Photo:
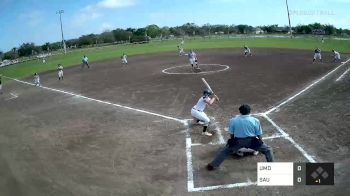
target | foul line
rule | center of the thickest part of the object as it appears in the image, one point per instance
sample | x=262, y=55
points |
x=306, y=155
x=306, y=88
x=341, y=77
x=99, y=101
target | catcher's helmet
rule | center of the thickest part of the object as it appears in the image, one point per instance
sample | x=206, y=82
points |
x=207, y=92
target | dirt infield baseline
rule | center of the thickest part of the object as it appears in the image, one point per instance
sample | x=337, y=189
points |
x=145, y=92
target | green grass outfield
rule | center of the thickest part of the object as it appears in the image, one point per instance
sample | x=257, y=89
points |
x=74, y=57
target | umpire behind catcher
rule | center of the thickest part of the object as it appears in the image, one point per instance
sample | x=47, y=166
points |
x=245, y=131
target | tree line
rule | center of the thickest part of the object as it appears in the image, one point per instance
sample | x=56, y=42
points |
x=144, y=34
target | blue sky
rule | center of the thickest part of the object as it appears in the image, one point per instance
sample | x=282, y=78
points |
x=36, y=20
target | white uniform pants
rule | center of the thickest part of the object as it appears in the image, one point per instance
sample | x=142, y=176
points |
x=60, y=73
x=200, y=115
x=124, y=61
x=317, y=56
x=192, y=61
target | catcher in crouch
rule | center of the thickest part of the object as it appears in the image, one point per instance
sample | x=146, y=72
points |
x=197, y=111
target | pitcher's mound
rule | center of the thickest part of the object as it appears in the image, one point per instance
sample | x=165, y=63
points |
x=203, y=69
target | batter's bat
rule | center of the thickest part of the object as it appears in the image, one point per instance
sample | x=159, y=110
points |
x=209, y=88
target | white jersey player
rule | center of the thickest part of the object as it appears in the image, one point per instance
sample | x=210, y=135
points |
x=192, y=57
x=197, y=111
x=85, y=61
x=317, y=55
x=247, y=51
x=336, y=55
x=36, y=80
x=180, y=51
x=124, y=58
x=60, y=71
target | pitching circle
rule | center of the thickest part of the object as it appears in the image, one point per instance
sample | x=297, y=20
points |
x=187, y=70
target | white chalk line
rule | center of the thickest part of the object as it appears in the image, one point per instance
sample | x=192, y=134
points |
x=342, y=76
x=13, y=96
x=190, y=181
x=100, y=101
x=225, y=186
x=286, y=136
x=306, y=88
x=165, y=71
x=190, y=174
x=218, y=128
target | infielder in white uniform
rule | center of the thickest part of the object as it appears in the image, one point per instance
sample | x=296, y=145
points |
x=36, y=80
x=180, y=51
x=192, y=57
x=317, y=55
x=247, y=51
x=60, y=71
x=197, y=111
x=336, y=56
x=124, y=58
x=85, y=61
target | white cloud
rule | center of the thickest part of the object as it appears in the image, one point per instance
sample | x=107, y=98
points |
x=84, y=18
x=91, y=12
x=115, y=3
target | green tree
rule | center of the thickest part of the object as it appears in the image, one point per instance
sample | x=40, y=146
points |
x=87, y=40
x=165, y=31
x=330, y=30
x=27, y=49
x=153, y=31
x=122, y=35
x=12, y=54
x=107, y=37
x=140, y=32
x=243, y=29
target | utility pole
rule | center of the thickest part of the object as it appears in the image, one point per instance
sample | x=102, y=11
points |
x=290, y=27
x=60, y=12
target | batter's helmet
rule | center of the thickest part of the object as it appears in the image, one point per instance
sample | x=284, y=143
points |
x=207, y=92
